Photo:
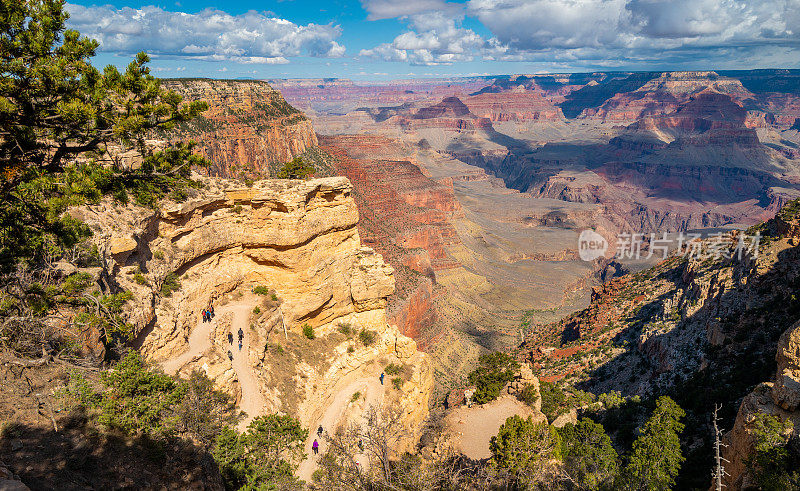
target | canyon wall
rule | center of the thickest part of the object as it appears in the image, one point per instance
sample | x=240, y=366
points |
x=297, y=240
x=248, y=128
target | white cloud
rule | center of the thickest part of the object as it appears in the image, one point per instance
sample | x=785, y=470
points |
x=391, y=9
x=434, y=38
x=251, y=37
x=595, y=33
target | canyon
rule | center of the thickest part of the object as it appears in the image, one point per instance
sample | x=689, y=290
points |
x=517, y=167
x=475, y=189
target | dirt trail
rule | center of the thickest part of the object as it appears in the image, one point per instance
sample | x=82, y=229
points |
x=252, y=401
x=474, y=427
x=371, y=390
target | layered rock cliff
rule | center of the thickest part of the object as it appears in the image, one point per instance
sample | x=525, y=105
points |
x=248, y=127
x=779, y=399
x=296, y=245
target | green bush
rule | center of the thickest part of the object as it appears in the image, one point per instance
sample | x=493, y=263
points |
x=494, y=371
x=356, y=396
x=265, y=457
x=296, y=169
x=776, y=460
x=256, y=310
x=393, y=369
x=522, y=447
x=397, y=383
x=367, y=337
x=656, y=457
x=528, y=395
x=171, y=284
x=138, y=400
x=139, y=278
x=308, y=331
x=345, y=329
x=261, y=290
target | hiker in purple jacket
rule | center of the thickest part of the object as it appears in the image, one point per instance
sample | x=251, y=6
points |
x=315, y=447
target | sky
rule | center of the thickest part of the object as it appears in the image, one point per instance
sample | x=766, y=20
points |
x=391, y=39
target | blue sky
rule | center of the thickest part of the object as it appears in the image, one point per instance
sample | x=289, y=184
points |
x=380, y=39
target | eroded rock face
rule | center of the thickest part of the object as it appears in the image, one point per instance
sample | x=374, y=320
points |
x=248, y=126
x=297, y=238
x=780, y=399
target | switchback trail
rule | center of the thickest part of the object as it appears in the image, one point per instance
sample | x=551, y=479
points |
x=252, y=401
x=371, y=390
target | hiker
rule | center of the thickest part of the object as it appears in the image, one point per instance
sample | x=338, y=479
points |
x=240, y=345
x=382, y=375
x=230, y=338
x=205, y=315
x=230, y=355
x=210, y=312
x=241, y=334
x=315, y=447
x=361, y=445
x=319, y=431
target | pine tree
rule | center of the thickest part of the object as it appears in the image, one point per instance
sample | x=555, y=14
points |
x=656, y=454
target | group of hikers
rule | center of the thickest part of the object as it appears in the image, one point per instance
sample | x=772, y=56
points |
x=230, y=341
x=208, y=313
x=315, y=445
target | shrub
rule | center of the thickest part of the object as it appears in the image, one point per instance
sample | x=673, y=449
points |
x=393, y=369
x=528, y=395
x=523, y=447
x=171, y=284
x=308, y=331
x=397, y=383
x=345, y=329
x=256, y=310
x=494, y=371
x=261, y=290
x=356, y=396
x=296, y=169
x=158, y=254
x=138, y=400
x=139, y=278
x=265, y=457
x=274, y=297
x=776, y=458
x=351, y=349
x=367, y=337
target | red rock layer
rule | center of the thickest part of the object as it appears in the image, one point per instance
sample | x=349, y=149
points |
x=247, y=127
x=405, y=216
x=663, y=95
x=516, y=105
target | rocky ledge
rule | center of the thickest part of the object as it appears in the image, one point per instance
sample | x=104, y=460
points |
x=298, y=242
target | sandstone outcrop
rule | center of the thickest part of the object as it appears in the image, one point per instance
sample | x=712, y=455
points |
x=248, y=128
x=779, y=398
x=296, y=239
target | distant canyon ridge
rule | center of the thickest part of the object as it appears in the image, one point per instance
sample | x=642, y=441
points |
x=475, y=189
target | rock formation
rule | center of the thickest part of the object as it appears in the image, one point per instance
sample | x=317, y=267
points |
x=779, y=398
x=247, y=128
x=296, y=239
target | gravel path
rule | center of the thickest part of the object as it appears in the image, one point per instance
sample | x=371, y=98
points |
x=252, y=401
